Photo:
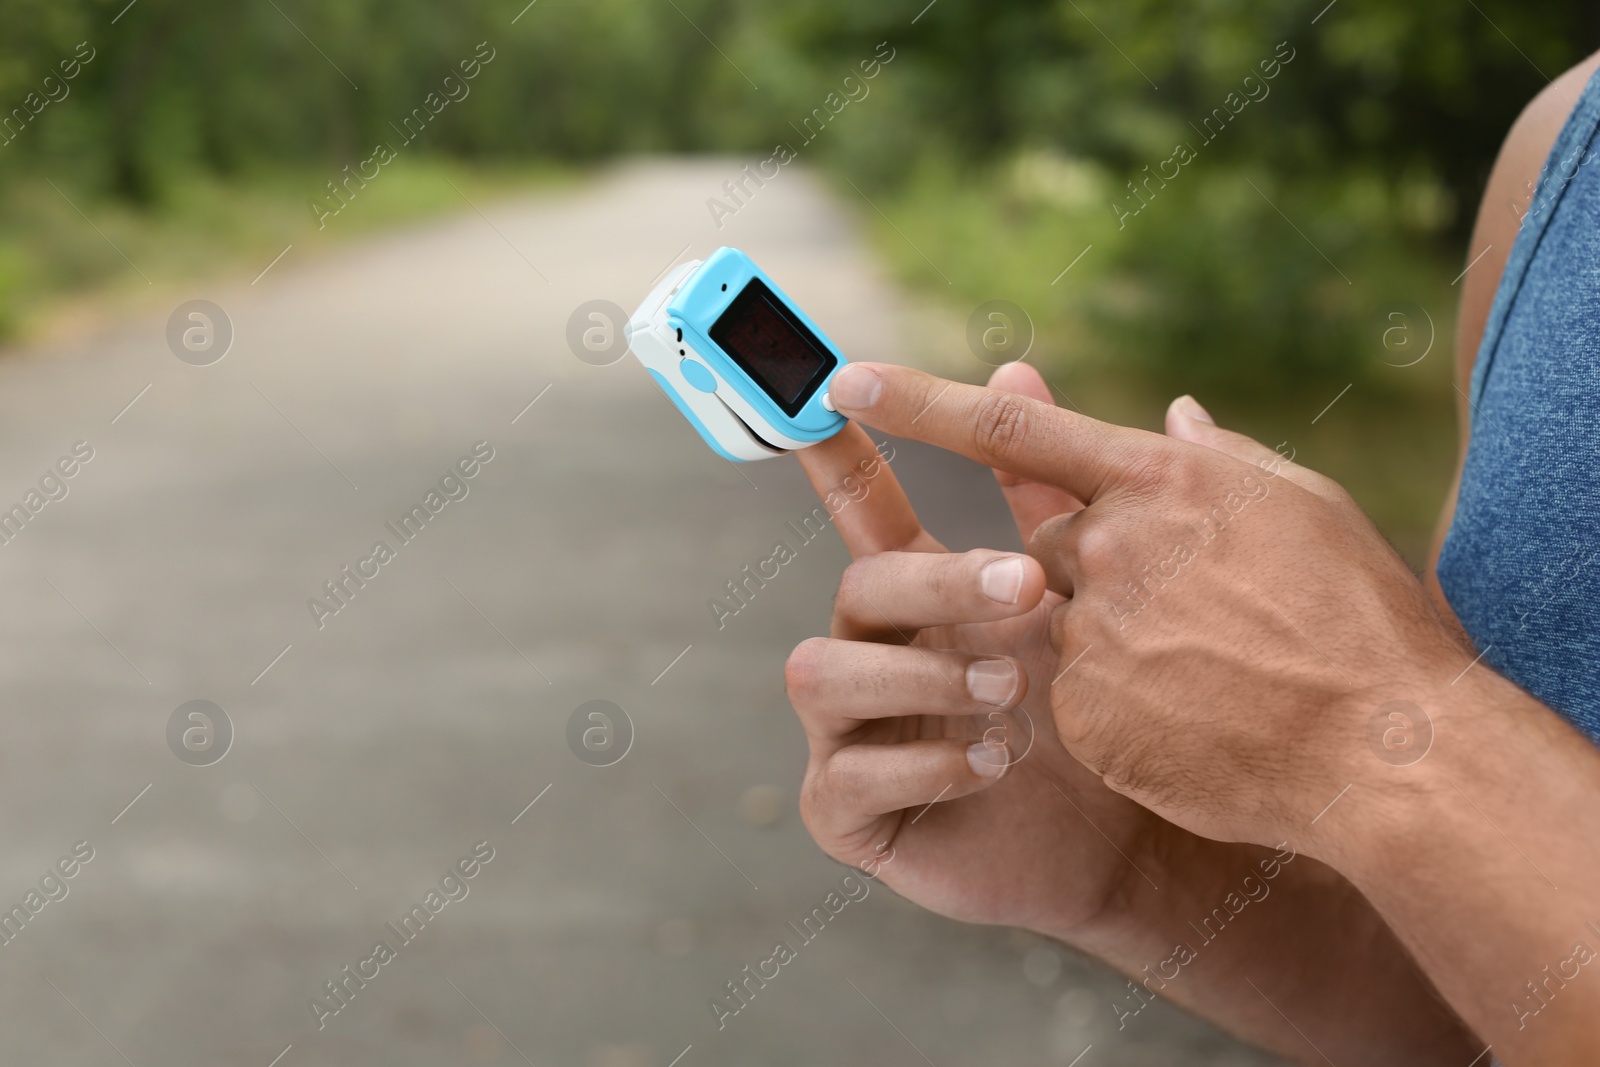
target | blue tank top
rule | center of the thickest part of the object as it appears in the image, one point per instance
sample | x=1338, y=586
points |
x=1521, y=562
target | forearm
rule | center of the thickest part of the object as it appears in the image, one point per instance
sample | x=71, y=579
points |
x=1276, y=948
x=1485, y=857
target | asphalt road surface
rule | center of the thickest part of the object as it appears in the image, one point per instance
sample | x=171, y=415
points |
x=375, y=748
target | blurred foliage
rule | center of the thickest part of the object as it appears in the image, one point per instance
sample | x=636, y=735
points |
x=1007, y=131
x=1000, y=137
x=1002, y=140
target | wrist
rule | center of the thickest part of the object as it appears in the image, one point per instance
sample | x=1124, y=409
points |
x=1488, y=831
x=1212, y=915
x=1415, y=760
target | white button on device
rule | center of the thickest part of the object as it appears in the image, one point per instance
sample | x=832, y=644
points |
x=827, y=402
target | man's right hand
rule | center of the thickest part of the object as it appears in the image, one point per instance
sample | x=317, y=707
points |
x=933, y=654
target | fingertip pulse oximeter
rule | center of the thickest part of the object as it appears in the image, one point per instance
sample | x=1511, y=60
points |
x=741, y=361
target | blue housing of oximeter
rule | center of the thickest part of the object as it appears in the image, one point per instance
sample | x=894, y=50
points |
x=747, y=367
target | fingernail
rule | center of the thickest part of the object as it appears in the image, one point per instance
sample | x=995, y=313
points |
x=855, y=388
x=1002, y=579
x=1189, y=406
x=993, y=681
x=986, y=760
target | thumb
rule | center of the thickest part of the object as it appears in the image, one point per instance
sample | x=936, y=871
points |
x=1188, y=421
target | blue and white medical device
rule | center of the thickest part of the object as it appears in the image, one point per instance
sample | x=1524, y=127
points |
x=746, y=366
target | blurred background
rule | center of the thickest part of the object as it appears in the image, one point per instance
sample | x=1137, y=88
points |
x=1294, y=266
x=996, y=150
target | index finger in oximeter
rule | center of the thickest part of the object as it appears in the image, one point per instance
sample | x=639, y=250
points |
x=743, y=364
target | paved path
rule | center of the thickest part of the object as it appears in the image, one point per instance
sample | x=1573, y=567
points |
x=423, y=718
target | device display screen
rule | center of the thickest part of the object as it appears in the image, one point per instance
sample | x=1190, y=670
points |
x=773, y=346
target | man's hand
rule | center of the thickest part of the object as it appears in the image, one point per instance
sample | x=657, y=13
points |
x=1240, y=632
x=935, y=766
x=1234, y=618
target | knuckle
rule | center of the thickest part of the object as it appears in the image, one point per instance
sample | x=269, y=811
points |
x=1099, y=548
x=855, y=576
x=858, y=571
x=1001, y=426
x=803, y=670
x=1166, y=470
